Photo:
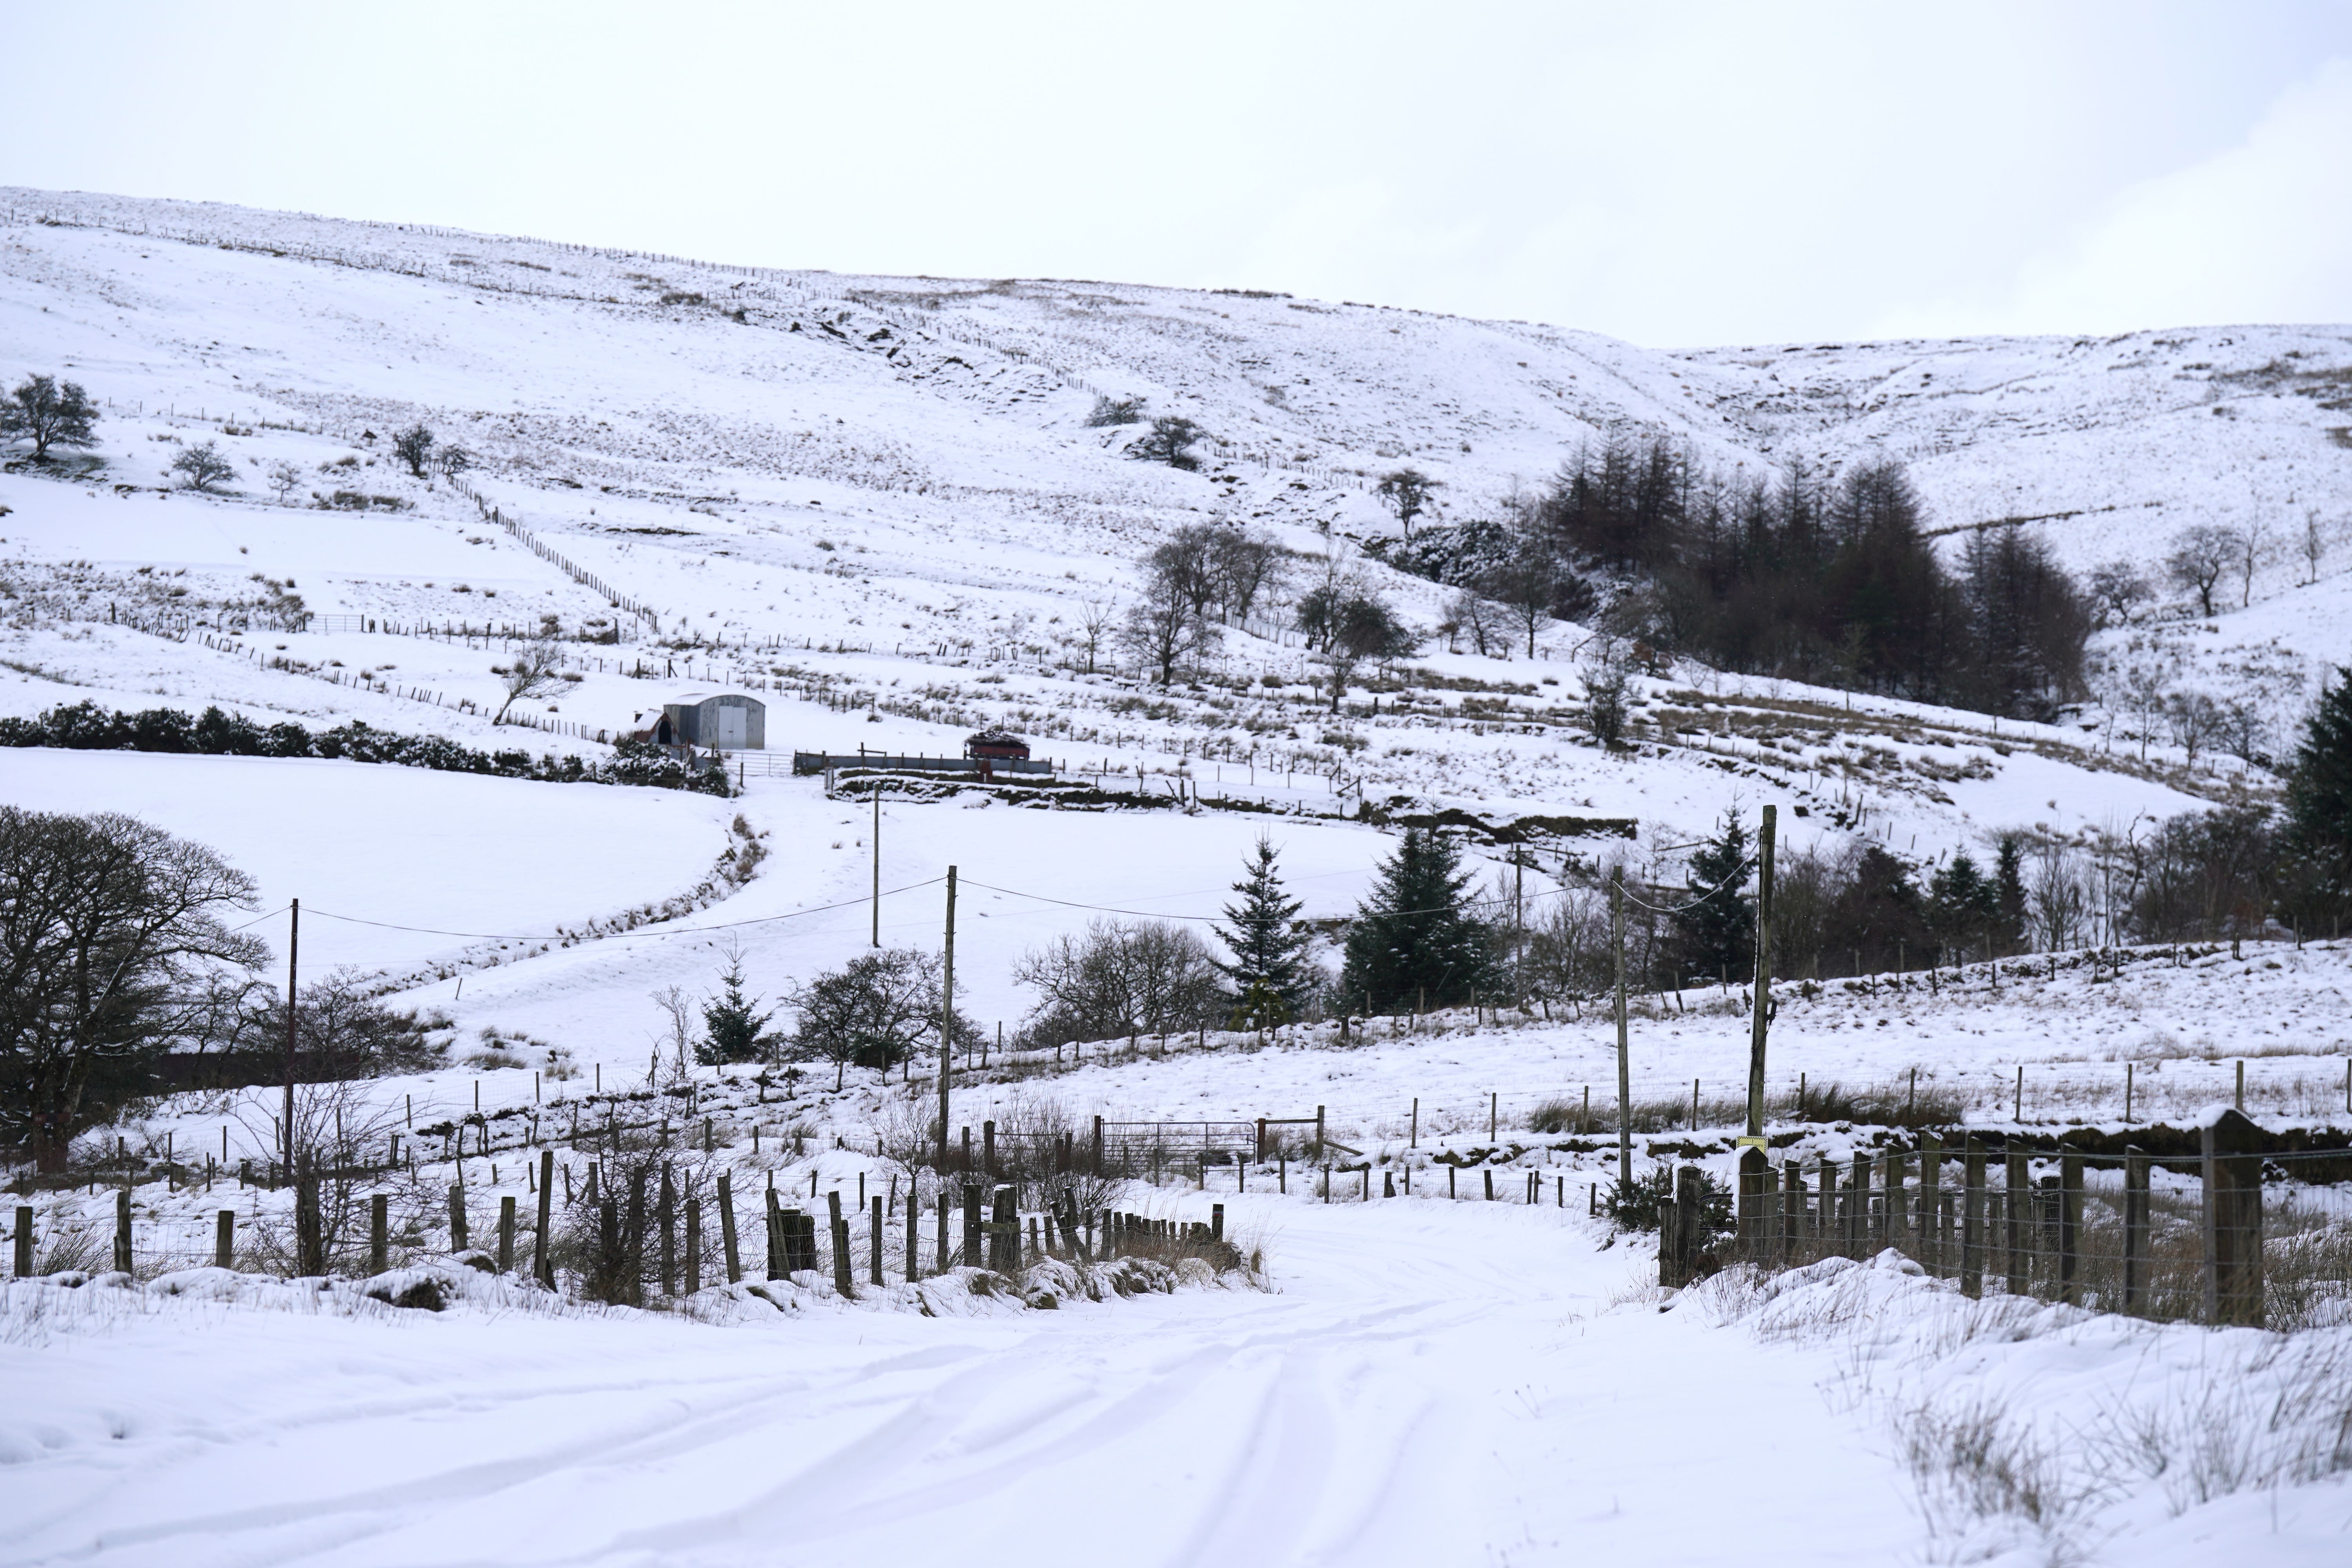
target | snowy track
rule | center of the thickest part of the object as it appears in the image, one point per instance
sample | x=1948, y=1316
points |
x=1426, y=1387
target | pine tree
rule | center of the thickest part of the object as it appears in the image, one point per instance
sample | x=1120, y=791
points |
x=2320, y=809
x=734, y=1030
x=1715, y=928
x=1963, y=907
x=1268, y=973
x=2008, y=893
x=1411, y=937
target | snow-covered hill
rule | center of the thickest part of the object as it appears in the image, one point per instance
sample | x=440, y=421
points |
x=878, y=501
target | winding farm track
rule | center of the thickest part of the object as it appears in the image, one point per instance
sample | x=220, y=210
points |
x=1428, y=1385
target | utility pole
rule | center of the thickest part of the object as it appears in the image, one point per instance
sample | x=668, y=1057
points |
x=1763, y=1007
x=1518, y=927
x=293, y=947
x=946, y=1023
x=877, y=862
x=1625, y=1068
x=1755, y=1164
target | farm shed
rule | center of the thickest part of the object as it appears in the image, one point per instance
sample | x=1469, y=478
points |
x=718, y=721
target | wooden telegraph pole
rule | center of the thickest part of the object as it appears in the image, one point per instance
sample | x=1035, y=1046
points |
x=1758, y=1023
x=877, y=862
x=1625, y=1068
x=293, y=947
x=946, y=1023
x=1755, y=1161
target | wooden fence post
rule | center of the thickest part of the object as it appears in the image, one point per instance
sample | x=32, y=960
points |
x=1670, y=1239
x=1004, y=1231
x=2134, y=1228
x=457, y=1216
x=693, y=1276
x=379, y=1234
x=1972, y=1218
x=914, y=1234
x=2070, y=1225
x=1098, y=1142
x=1792, y=1209
x=2013, y=1214
x=1755, y=1179
x=224, y=1238
x=839, y=1228
x=971, y=1258
x=1857, y=1205
x=507, y=1233
x=1931, y=1192
x=122, y=1230
x=24, y=1241
x=1899, y=1207
x=542, y=1256
x=666, y=1220
x=2233, y=1221
x=780, y=1244
x=1690, y=1209
x=727, y=1247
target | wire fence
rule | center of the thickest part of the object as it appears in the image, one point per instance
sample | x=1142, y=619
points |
x=2176, y=1238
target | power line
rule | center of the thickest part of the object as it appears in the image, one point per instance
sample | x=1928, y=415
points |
x=619, y=935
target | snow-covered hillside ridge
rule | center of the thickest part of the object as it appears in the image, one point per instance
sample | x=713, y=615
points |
x=2114, y=442
x=879, y=503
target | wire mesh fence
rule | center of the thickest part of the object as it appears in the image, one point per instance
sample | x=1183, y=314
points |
x=2203, y=1237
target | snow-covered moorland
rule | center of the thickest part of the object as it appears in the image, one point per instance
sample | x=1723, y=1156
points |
x=878, y=503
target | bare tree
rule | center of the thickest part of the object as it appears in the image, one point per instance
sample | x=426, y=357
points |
x=1166, y=627
x=877, y=1011
x=2250, y=541
x=284, y=478
x=2117, y=590
x=413, y=446
x=1115, y=411
x=1120, y=977
x=675, y=1033
x=1482, y=618
x=202, y=468
x=2244, y=734
x=1406, y=492
x=2313, y=543
x=1095, y=620
x=2061, y=900
x=112, y=926
x=49, y=415
x=1170, y=440
x=2199, y=556
x=2194, y=720
x=1526, y=584
x=452, y=461
x=535, y=672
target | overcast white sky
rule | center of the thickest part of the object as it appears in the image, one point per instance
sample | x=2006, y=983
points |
x=1676, y=174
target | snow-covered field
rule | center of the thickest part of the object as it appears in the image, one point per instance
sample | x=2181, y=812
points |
x=875, y=501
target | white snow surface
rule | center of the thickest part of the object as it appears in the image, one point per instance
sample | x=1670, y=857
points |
x=882, y=492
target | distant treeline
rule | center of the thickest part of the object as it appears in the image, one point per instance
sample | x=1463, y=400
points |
x=1827, y=582
x=86, y=726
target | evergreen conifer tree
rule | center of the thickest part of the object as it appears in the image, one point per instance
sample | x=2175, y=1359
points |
x=2319, y=812
x=1268, y=973
x=2008, y=893
x=734, y=1030
x=1963, y=905
x=1715, y=928
x=1411, y=937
